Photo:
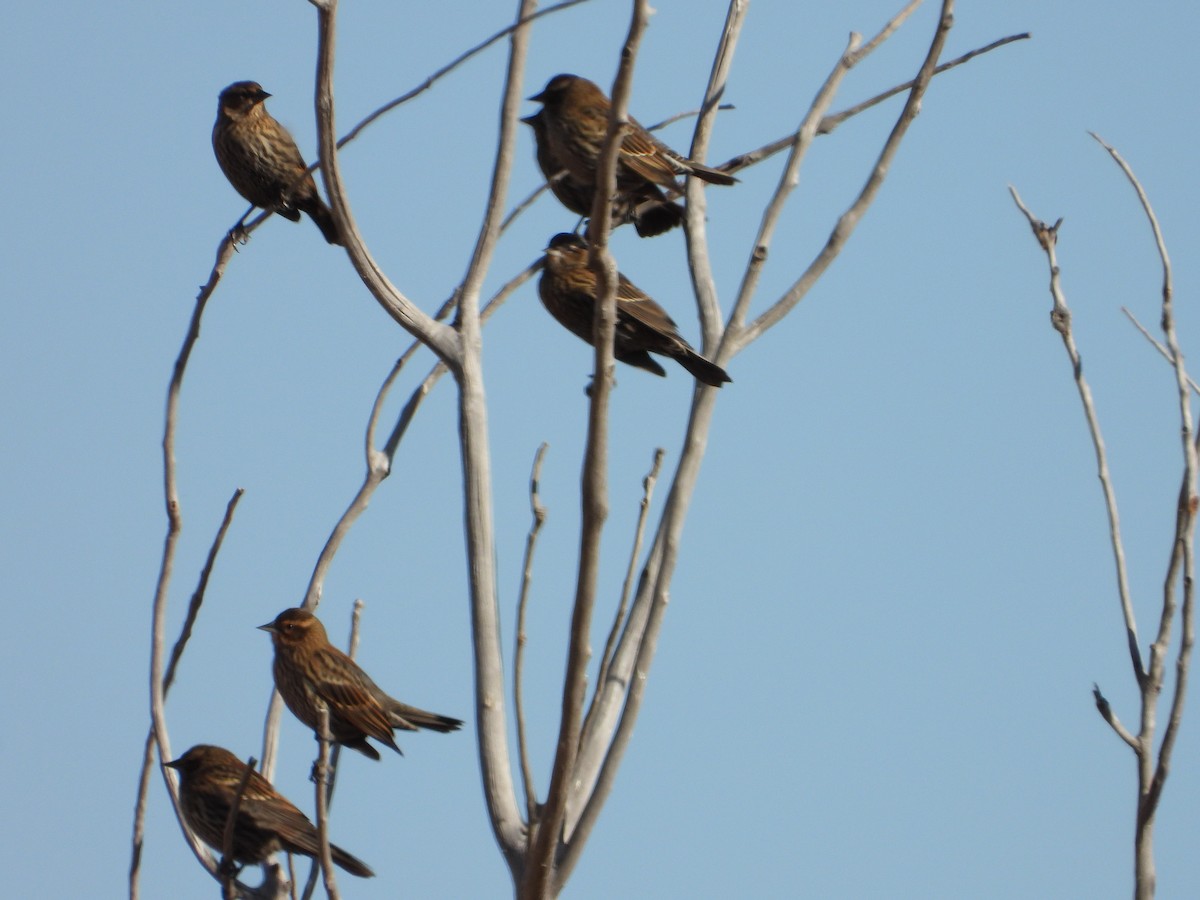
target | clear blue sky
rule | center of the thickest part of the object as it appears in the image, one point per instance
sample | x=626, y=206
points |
x=895, y=591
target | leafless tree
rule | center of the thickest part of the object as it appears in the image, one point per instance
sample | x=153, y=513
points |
x=1151, y=751
x=542, y=838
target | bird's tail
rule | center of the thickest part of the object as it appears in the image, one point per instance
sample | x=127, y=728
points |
x=350, y=862
x=707, y=372
x=323, y=216
x=410, y=718
x=712, y=176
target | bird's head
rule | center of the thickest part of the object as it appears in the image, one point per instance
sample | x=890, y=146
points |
x=240, y=98
x=294, y=628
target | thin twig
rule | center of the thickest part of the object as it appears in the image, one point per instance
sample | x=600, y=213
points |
x=324, y=738
x=1060, y=318
x=185, y=634
x=1182, y=559
x=1106, y=712
x=1166, y=354
x=450, y=66
x=635, y=554
x=225, y=251
x=539, y=875
x=539, y=518
x=499, y=789
x=228, y=867
x=336, y=753
x=853, y=215
x=832, y=121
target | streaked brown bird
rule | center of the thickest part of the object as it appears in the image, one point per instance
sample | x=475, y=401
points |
x=262, y=161
x=568, y=290
x=308, y=668
x=575, y=113
x=644, y=204
x=266, y=822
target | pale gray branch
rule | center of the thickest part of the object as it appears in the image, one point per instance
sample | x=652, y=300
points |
x=323, y=786
x=614, y=633
x=1166, y=354
x=849, y=220
x=1060, y=318
x=1182, y=558
x=539, y=875
x=440, y=338
x=539, y=519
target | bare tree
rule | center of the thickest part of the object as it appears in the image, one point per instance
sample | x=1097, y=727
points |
x=543, y=838
x=1152, y=752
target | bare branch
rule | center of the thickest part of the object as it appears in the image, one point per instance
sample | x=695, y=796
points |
x=185, y=634
x=440, y=338
x=539, y=873
x=695, y=225
x=1166, y=354
x=323, y=786
x=1060, y=318
x=228, y=867
x=453, y=64
x=850, y=219
x=491, y=725
x=832, y=121
x=539, y=519
x=788, y=180
x=635, y=554
x=225, y=252
x=335, y=754
x=1182, y=559
x=1105, y=710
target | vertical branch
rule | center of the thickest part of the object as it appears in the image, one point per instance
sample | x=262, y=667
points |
x=336, y=753
x=323, y=785
x=185, y=634
x=696, y=229
x=1060, y=318
x=539, y=880
x=1182, y=561
x=158, y=686
x=635, y=554
x=491, y=725
x=539, y=519
x=228, y=867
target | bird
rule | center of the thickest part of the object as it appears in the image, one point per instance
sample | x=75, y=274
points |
x=266, y=821
x=309, y=669
x=262, y=161
x=568, y=289
x=645, y=205
x=575, y=119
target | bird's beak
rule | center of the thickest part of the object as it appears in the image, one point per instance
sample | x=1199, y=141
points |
x=529, y=120
x=263, y=95
x=175, y=764
x=270, y=626
x=539, y=97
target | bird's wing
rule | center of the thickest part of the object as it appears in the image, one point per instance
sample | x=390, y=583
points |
x=635, y=303
x=647, y=157
x=351, y=694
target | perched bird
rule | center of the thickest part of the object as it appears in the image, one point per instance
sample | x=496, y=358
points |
x=261, y=160
x=308, y=668
x=575, y=119
x=643, y=204
x=568, y=290
x=266, y=822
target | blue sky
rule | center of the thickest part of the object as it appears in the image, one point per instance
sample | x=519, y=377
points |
x=895, y=591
